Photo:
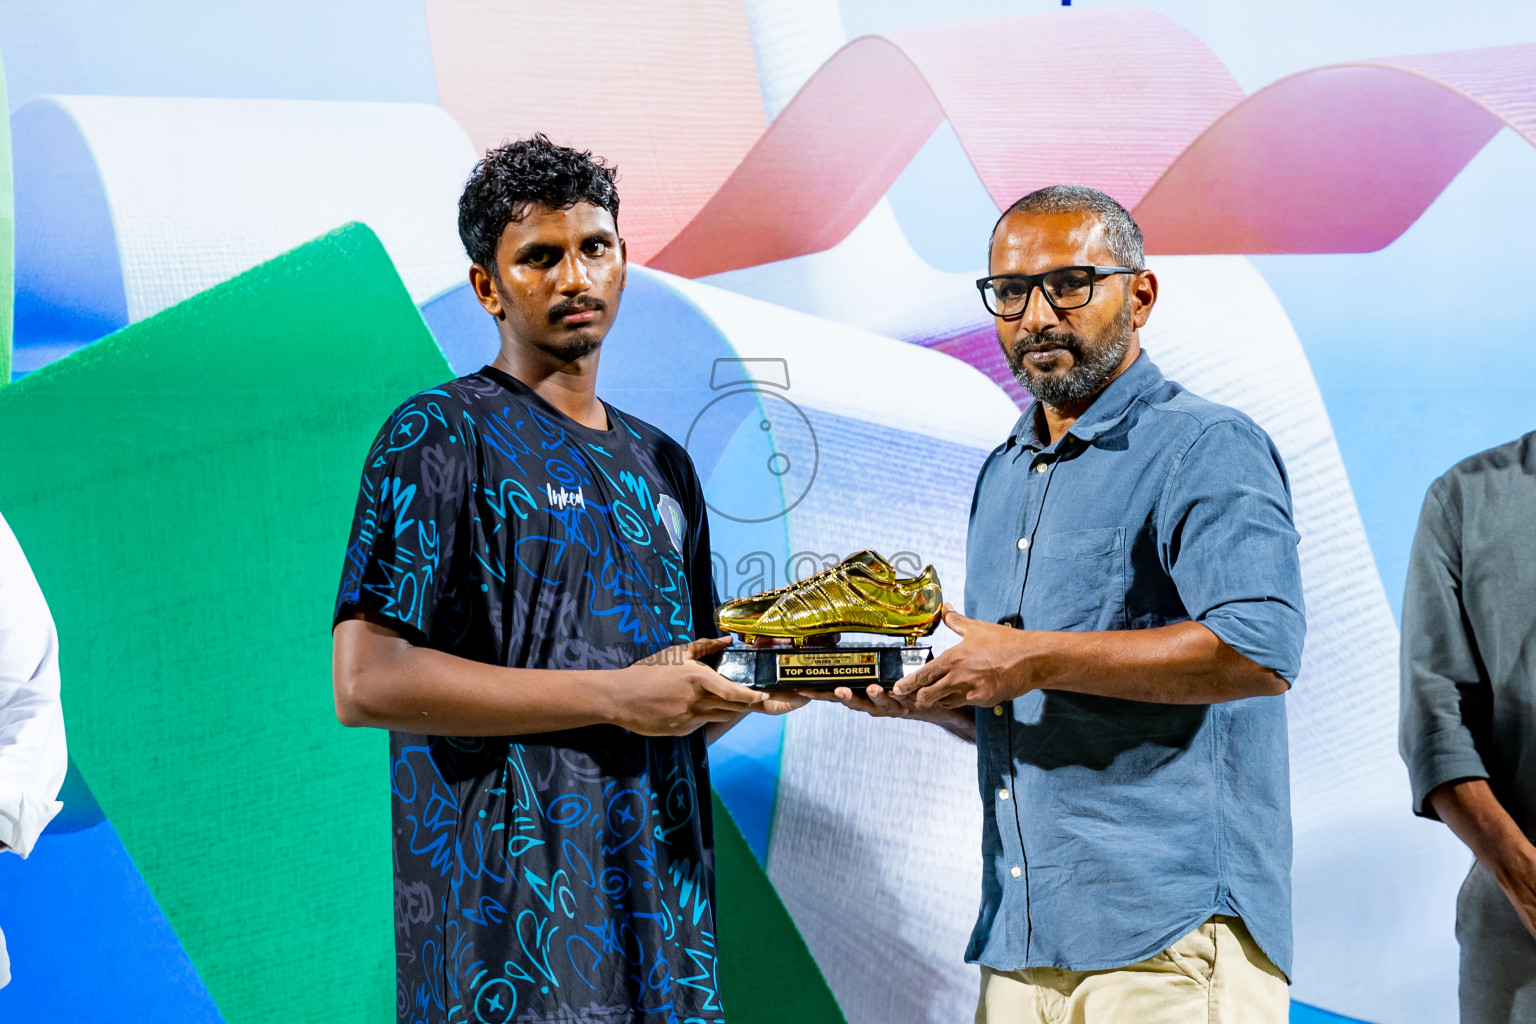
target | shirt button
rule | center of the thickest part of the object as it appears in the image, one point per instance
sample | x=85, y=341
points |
x=1041, y=467
x=1002, y=794
x=998, y=711
x=1023, y=543
x=1014, y=871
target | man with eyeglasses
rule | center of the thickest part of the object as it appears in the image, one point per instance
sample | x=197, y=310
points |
x=1133, y=618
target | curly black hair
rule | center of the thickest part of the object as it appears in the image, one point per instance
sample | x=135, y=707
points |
x=515, y=174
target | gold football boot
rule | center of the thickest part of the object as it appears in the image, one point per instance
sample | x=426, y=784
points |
x=856, y=598
x=740, y=616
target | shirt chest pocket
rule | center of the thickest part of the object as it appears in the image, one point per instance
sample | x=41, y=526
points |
x=1076, y=580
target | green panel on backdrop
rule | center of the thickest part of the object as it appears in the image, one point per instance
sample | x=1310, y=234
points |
x=7, y=237
x=767, y=975
x=183, y=490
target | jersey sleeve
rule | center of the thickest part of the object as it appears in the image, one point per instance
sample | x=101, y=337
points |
x=410, y=508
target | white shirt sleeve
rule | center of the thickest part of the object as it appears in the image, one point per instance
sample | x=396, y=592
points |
x=33, y=758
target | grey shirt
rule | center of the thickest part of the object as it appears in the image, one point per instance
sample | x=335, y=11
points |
x=1469, y=632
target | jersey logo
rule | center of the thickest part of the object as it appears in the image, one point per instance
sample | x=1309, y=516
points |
x=673, y=519
x=564, y=498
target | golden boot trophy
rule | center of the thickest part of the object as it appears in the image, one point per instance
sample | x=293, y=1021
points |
x=790, y=636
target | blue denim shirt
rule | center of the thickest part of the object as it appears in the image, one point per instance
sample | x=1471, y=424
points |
x=1113, y=827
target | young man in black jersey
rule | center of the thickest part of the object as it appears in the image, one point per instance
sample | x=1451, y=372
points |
x=525, y=601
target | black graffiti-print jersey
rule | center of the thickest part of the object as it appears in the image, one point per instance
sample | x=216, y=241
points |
x=564, y=876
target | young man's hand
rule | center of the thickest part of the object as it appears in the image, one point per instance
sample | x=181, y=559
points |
x=672, y=693
x=780, y=702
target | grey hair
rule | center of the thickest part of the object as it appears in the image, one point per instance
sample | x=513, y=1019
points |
x=1121, y=231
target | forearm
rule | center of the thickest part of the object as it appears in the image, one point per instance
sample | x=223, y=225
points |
x=1184, y=663
x=1479, y=820
x=385, y=682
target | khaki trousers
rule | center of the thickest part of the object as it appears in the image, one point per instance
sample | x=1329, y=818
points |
x=1214, y=975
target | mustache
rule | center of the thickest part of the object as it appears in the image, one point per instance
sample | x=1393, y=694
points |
x=578, y=304
x=1048, y=339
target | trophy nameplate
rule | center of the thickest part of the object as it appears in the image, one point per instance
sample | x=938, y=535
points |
x=826, y=668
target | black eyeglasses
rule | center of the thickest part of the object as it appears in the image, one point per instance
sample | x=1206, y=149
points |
x=1006, y=295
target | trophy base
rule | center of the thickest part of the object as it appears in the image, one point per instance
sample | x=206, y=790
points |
x=821, y=667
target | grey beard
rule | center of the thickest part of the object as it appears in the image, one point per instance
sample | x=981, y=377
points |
x=1089, y=372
